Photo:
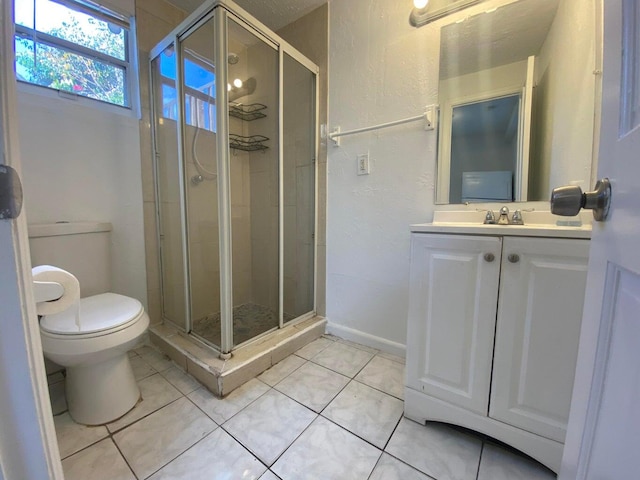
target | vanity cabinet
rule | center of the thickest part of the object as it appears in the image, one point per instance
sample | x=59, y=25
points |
x=493, y=331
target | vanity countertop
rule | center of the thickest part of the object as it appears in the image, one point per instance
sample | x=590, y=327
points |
x=537, y=224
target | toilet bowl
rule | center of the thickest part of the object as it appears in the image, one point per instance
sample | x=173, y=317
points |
x=100, y=385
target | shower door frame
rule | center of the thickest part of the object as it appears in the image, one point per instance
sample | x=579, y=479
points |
x=221, y=11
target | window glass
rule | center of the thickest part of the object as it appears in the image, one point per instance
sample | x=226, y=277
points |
x=200, y=86
x=72, y=50
x=78, y=27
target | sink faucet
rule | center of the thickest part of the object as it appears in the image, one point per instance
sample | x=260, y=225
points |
x=516, y=218
x=489, y=218
x=504, y=216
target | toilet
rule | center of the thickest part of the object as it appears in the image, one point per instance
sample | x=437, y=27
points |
x=100, y=385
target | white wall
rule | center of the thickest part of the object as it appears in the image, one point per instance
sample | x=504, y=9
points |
x=82, y=163
x=380, y=69
x=565, y=93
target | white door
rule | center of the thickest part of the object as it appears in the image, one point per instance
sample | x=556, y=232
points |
x=28, y=448
x=603, y=437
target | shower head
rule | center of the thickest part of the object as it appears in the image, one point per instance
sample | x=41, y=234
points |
x=232, y=58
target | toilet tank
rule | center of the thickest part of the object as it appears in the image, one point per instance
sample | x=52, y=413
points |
x=82, y=248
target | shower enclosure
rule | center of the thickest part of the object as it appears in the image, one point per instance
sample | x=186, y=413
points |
x=235, y=139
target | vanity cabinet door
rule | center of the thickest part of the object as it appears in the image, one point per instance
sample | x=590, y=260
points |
x=452, y=314
x=538, y=328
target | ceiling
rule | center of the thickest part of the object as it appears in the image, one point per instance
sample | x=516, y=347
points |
x=508, y=34
x=275, y=14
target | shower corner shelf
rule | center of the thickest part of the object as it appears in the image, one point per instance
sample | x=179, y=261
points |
x=248, y=144
x=247, y=113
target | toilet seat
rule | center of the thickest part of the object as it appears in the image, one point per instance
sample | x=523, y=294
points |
x=100, y=315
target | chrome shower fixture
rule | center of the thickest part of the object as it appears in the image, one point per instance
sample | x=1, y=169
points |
x=232, y=58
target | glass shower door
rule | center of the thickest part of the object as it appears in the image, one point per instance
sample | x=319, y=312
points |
x=201, y=179
x=254, y=180
x=299, y=180
x=169, y=178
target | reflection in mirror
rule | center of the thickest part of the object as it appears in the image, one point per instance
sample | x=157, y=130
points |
x=517, y=100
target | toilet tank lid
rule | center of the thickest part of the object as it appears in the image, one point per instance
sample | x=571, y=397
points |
x=67, y=228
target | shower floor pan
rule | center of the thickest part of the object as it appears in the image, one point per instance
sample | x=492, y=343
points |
x=248, y=361
x=249, y=321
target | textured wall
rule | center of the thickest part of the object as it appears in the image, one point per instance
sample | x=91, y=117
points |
x=565, y=100
x=82, y=163
x=380, y=69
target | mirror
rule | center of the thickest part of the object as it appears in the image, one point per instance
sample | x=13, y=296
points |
x=517, y=96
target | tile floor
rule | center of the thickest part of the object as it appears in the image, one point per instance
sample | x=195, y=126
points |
x=333, y=410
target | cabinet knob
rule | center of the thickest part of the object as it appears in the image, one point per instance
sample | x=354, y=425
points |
x=489, y=257
x=513, y=258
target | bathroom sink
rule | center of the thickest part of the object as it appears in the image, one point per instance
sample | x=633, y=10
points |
x=537, y=223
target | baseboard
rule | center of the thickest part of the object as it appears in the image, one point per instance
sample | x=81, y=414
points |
x=366, y=339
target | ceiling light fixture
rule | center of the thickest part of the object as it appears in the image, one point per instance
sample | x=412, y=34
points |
x=426, y=11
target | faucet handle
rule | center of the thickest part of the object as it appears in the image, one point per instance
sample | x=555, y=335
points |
x=489, y=218
x=516, y=218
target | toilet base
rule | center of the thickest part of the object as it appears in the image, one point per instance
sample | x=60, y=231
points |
x=102, y=392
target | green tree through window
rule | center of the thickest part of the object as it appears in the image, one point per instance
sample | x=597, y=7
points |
x=81, y=53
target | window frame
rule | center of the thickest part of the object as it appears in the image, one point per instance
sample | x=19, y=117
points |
x=194, y=95
x=100, y=13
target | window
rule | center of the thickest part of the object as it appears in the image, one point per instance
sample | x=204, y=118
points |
x=199, y=89
x=75, y=47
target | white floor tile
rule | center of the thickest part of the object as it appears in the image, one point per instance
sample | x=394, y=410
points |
x=73, y=437
x=215, y=457
x=313, y=386
x=328, y=452
x=58, y=397
x=159, y=361
x=369, y=413
x=359, y=346
x=222, y=409
x=282, y=369
x=389, y=468
x=141, y=369
x=500, y=464
x=157, y=439
x=156, y=393
x=384, y=375
x=437, y=450
x=181, y=380
x=269, y=475
x=343, y=359
x=101, y=461
x=390, y=356
x=312, y=349
x=269, y=425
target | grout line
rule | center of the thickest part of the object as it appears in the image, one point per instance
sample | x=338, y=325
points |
x=480, y=459
x=122, y=455
x=179, y=455
x=377, y=389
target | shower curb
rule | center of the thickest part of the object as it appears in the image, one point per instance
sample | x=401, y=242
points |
x=223, y=376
